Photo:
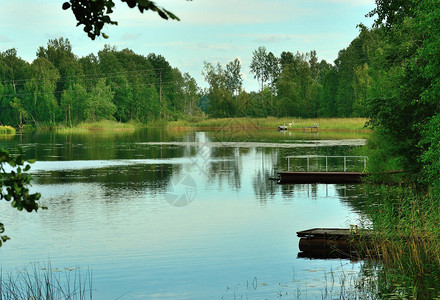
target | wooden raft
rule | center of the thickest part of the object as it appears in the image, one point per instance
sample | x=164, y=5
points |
x=332, y=242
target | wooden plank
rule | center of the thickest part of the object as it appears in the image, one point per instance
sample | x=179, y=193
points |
x=320, y=177
x=324, y=231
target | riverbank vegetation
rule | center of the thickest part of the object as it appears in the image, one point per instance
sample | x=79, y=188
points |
x=406, y=238
x=352, y=124
x=7, y=130
x=402, y=105
x=103, y=125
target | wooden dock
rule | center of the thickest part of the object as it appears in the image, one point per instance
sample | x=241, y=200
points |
x=333, y=243
x=313, y=128
x=314, y=173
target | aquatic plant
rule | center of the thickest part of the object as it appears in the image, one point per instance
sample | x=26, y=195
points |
x=38, y=282
x=406, y=239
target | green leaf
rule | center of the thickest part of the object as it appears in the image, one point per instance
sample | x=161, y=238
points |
x=66, y=5
x=172, y=16
x=162, y=14
x=144, y=3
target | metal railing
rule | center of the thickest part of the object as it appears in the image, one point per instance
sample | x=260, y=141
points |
x=316, y=157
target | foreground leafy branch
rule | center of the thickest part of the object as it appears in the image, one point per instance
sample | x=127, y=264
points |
x=14, y=185
x=95, y=14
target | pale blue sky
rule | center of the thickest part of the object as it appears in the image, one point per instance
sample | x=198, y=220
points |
x=208, y=31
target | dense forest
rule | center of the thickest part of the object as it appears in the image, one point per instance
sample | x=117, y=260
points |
x=58, y=87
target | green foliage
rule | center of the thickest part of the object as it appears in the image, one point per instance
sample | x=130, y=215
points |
x=431, y=157
x=405, y=88
x=95, y=14
x=7, y=130
x=406, y=238
x=234, y=80
x=99, y=105
x=14, y=185
x=57, y=88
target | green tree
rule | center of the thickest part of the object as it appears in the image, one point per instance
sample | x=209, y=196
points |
x=99, y=105
x=296, y=88
x=361, y=87
x=221, y=103
x=326, y=98
x=163, y=81
x=40, y=101
x=59, y=53
x=14, y=72
x=234, y=81
x=73, y=103
x=259, y=67
x=191, y=94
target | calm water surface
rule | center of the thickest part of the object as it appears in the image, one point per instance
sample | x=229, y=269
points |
x=157, y=214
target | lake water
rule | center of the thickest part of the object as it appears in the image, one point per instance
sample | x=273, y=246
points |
x=159, y=214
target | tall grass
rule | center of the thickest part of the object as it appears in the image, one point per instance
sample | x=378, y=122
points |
x=7, y=130
x=407, y=239
x=272, y=122
x=104, y=125
x=38, y=282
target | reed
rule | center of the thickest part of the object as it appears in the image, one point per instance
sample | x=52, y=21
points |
x=41, y=282
x=407, y=239
x=272, y=123
x=7, y=130
x=104, y=125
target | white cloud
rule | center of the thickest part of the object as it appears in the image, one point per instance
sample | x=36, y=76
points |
x=350, y=2
x=4, y=38
x=130, y=36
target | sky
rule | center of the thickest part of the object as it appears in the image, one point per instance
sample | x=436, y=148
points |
x=209, y=31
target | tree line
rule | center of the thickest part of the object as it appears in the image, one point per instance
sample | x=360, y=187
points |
x=58, y=87
x=299, y=84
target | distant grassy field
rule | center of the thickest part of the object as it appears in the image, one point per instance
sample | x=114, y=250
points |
x=104, y=125
x=7, y=130
x=271, y=122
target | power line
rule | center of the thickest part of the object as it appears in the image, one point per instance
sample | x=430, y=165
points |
x=166, y=83
x=94, y=76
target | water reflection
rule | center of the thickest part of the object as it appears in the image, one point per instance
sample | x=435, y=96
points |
x=107, y=196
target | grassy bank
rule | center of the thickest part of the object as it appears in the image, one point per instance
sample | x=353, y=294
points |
x=7, y=130
x=407, y=240
x=352, y=124
x=104, y=125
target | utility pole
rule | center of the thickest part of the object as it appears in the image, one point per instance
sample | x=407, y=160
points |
x=160, y=93
x=70, y=118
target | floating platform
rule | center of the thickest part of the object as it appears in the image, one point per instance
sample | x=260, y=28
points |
x=323, y=243
x=320, y=177
x=313, y=173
